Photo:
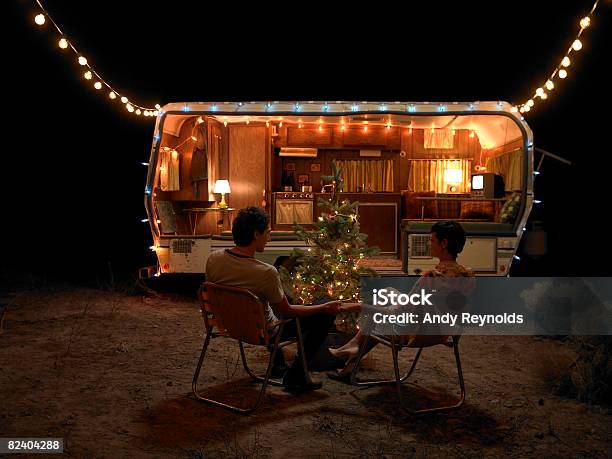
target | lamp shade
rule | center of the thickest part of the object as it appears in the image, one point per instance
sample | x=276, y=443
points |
x=222, y=186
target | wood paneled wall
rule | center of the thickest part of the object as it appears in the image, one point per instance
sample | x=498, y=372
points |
x=247, y=165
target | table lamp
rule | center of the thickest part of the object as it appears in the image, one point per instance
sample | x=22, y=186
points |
x=222, y=186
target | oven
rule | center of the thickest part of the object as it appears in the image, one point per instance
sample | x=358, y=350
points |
x=293, y=207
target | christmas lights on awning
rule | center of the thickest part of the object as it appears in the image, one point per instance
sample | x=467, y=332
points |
x=560, y=71
x=90, y=74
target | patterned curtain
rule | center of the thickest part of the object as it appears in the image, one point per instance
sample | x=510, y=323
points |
x=169, y=170
x=374, y=174
x=432, y=175
x=510, y=166
x=439, y=138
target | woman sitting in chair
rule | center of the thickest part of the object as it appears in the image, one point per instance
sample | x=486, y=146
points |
x=447, y=241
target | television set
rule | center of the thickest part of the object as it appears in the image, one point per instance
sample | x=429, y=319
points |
x=487, y=185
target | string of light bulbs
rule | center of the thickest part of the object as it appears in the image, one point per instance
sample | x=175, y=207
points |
x=560, y=71
x=90, y=73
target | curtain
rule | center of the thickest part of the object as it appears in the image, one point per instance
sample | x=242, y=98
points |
x=376, y=175
x=439, y=138
x=428, y=175
x=169, y=170
x=510, y=166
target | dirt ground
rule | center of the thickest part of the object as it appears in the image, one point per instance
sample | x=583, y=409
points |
x=111, y=374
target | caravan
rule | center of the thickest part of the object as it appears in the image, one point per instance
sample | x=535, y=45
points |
x=407, y=164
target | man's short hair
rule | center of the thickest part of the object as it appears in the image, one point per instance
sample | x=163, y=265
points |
x=453, y=232
x=249, y=220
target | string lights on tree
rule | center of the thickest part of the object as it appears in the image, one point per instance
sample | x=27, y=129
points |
x=332, y=266
x=560, y=71
x=98, y=82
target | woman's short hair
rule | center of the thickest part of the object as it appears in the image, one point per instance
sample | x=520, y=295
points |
x=249, y=220
x=453, y=232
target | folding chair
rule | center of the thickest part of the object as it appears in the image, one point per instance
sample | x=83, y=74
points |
x=239, y=314
x=397, y=343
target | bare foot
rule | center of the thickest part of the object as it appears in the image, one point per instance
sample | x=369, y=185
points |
x=345, y=353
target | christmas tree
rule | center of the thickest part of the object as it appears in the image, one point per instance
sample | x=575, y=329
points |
x=331, y=267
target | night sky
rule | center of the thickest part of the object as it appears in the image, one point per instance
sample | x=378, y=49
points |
x=73, y=184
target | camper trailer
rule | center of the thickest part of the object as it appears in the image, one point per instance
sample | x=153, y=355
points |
x=407, y=164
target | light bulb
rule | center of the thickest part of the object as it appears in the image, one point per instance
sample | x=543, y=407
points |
x=87, y=75
x=566, y=62
x=82, y=60
x=194, y=138
x=562, y=73
x=577, y=45
x=112, y=95
x=98, y=85
x=129, y=108
x=124, y=100
x=157, y=106
x=522, y=109
x=544, y=96
x=39, y=19
x=63, y=43
x=514, y=109
x=155, y=113
x=225, y=123
x=527, y=108
x=138, y=112
x=200, y=120
x=539, y=92
x=267, y=123
x=530, y=103
x=550, y=85
x=585, y=22
x=320, y=128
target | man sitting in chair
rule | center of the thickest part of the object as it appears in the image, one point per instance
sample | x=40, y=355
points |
x=237, y=267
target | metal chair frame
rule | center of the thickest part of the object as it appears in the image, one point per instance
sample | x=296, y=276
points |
x=276, y=345
x=395, y=343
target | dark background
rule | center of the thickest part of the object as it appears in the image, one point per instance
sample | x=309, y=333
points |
x=72, y=194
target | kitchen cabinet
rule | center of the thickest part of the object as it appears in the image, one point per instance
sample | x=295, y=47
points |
x=311, y=137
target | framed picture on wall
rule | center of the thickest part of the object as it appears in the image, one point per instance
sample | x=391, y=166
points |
x=315, y=167
x=290, y=166
x=303, y=178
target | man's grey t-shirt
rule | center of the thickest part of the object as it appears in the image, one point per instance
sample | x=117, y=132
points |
x=227, y=268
